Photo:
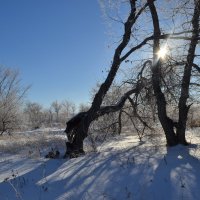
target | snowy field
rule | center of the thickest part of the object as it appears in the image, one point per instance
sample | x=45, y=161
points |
x=122, y=168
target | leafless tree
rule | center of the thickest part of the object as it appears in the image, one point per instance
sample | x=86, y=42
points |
x=48, y=117
x=154, y=82
x=168, y=124
x=12, y=95
x=77, y=128
x=34, y=111
x=67, y=111
x=56, y=106
x=69, y=108
x=108, y=124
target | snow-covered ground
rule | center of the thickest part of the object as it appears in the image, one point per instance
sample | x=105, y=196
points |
x=122, y=168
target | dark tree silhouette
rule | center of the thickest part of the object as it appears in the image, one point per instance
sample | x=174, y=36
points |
x=77, y=127
x=186, y=80
x=168, y=124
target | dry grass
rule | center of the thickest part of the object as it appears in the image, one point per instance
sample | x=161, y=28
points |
x=194, y=123
x=34, y=143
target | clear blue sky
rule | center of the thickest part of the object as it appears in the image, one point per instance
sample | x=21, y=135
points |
x=59, y=46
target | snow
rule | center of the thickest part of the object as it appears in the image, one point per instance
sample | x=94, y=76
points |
x=122, y=168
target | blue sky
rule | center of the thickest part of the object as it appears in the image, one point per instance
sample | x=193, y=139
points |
x=59, y=46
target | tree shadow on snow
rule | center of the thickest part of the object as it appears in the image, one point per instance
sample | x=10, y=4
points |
x=141, y=172
x=177, y=175
x=22, y=178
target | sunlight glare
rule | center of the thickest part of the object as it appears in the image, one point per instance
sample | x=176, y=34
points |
x=162, y=52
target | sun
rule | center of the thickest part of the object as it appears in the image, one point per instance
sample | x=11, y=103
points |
x=162, y=52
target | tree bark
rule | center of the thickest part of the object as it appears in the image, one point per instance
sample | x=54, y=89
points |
x=183, y=107
x=166, y=122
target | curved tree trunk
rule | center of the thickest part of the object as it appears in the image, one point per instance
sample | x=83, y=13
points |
x=78, y=126
x=81, y=130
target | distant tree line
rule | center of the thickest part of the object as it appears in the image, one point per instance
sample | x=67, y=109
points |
x=55, y=116
x=17, y=113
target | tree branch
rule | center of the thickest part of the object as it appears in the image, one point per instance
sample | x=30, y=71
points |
x=152, y=37
x=196, y=67
x=113, y=108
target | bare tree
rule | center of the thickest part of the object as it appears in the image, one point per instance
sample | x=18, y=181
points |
x=109, y=124
x=160, y=88
x=56, y=106
x=34, y=111
x=186, y=80
x=11, y=98
x=67, y=111
x=79, y=127
x=168, y=124
x=69, y=108
x=48, y=117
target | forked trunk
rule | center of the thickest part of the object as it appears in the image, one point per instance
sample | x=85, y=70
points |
x=167, y=123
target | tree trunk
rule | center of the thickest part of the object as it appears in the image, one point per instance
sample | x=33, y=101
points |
x=183, y=107
x=120, y=122
x=77, y=127
x=166, y=122
x=82, y=129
